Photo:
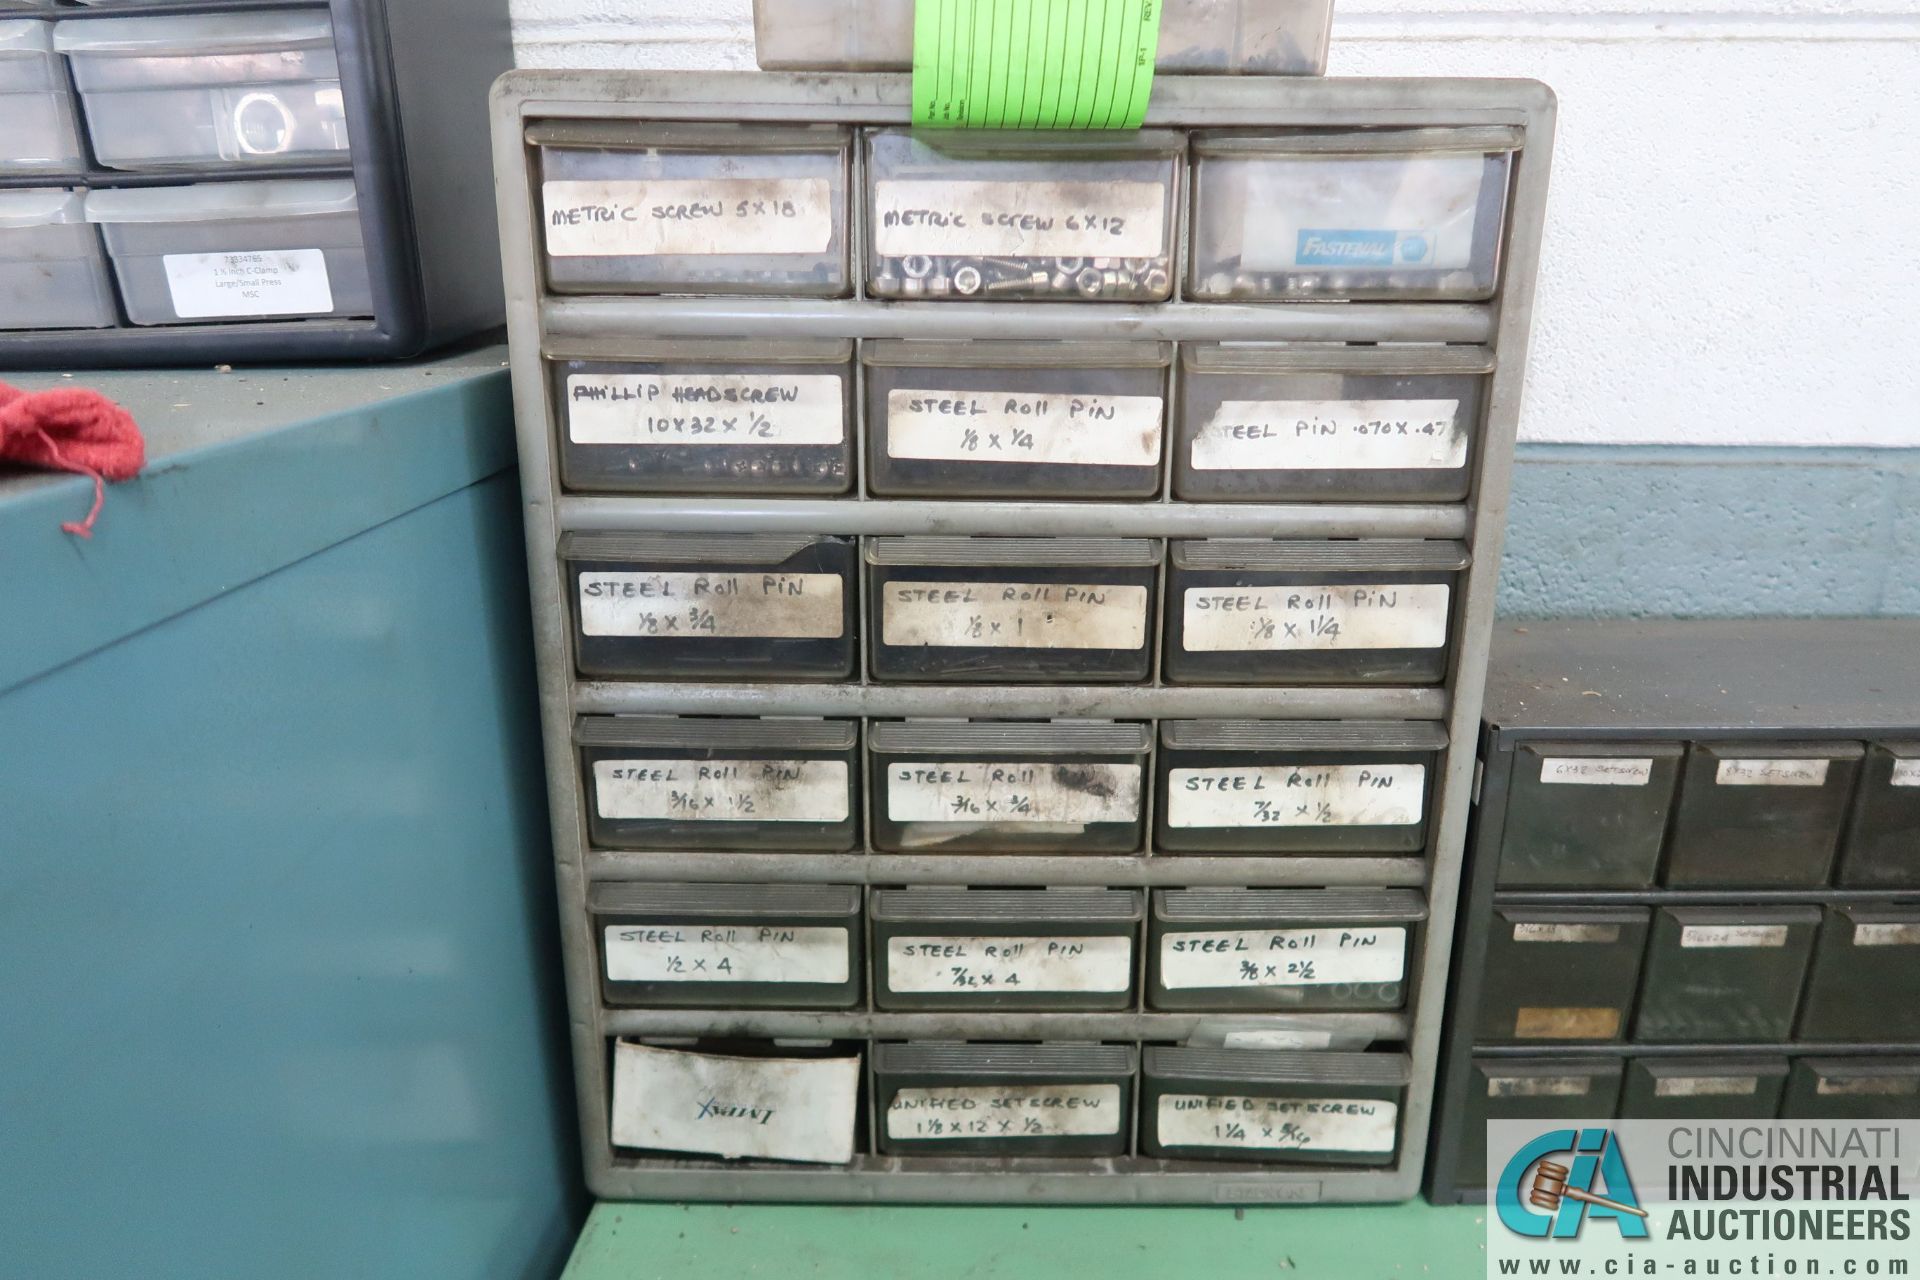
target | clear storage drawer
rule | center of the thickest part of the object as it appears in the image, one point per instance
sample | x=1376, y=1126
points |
x=40, y=135
x=52, y=272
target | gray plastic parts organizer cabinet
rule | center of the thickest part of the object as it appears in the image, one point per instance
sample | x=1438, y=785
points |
x=950, y=450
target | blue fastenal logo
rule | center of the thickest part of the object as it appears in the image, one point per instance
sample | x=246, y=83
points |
x=1541, y=1197
x=1320, y=248
x=1415, y=249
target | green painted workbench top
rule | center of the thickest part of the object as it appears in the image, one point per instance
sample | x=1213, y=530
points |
x=1374, y=1242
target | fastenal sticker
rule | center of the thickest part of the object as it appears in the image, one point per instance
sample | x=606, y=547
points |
x=1005, y=1111
x=725, y=953
x=721, y=790
x=719, y=606
x=1019, y=219
x=1020, y=426
x=1327, y=795
x=1319, y=618
x=737, y=1108
x=1283, y=957
x=1361, y=1125
x=276, y=282
x=705, y=409
x=1014, y=964
x=751, y=217
x=1014, y=615
x=1013, y=792
x=1596, y=771
x=1772, y=773
x=1332, y=435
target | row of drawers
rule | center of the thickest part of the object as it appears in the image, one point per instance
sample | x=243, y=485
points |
x=963, y=609
x=772, y=1101
x=1733, y=974
x=1751, y=815
x=808, y=947
x=1048, y=420
x=959, y=216
x=1220, y=786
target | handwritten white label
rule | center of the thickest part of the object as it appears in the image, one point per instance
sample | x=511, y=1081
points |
x=705, y=408
x=1596, y=771
x=1705, y=1086
x=1317, y=795
x=1021, y=426
x=1771, y=773
x=725, y=953
x=1566, y=932
x=1013, y=964
x=1733, y=935
x=1278, y=1124
x=1020, y=219
x=1881, y=1086
x=638, y=217
x=1283, y=957
x=1538, y=1086
x=1005, y=1111
x=270, y=282
x=712, y=605
x=1331, y=435
x=737, y=1108
x=1014, y=615
x=722, y=790
x=1389, y=616
x=1277, y=1040
x=1886, y=935
x=1037, y=792
x=1906, y=773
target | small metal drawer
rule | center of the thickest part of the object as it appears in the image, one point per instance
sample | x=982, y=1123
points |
x=1007, y=787
x=1882, y=846
x=1375, y=213
x=684, y=782
x=1587, y=814
x=1012, y=609
x=1758, y=815
x=959, y=215
x=1864, y=1088
x=1317, y=1107
x=943, y=1099
x=1724, y=973
x=737, y=606
x=1703, y=1089
x=633, y=207
x=1005, y=948
x=738, y=1099
x=729, y=946
x=1327, y=422
x=988, y=419
x=1866, y=968
x=1294, y=949
x=1530, y=1089
x=1253, y=611
x=737, y=416
x=1561, y=973
x=1296, y=786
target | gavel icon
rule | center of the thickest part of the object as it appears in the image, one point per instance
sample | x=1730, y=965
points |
x=1550, y=1187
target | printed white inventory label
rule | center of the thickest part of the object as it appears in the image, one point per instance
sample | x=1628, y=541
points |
x=1264, y=619
x=1014, y=615
x=717, y=605
x=725, y=953
x=1022, y=426
x=769, y=1108
x=690, y=216
x=1886, y=935
x=1536, y=932
x=1321, y=795
x=1772, y=773
x=1278, y=1124
x=1538, y=1086
x=1596, y=771
x=1705, y=1086
x=1906, y=773
x=269, y=282
x=1038, y=792
x=1005, y=1111
x=1010, y=964
x=1331, y=435
x=1733, y=935
x=722, y=790
x=705, y=408
x=1283, y=957
x=1019, y=219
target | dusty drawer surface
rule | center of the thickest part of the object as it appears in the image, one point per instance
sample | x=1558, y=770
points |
x=1588, y=814
x=1882, y=848
x=939, y=948
x=1530, y=1089
x=1004, y=1099
x=1864, y=1088
x=729, y=945
x=1865, y=968
x=1007, y=786
x=684, y=782
x=705, y=415
x=1271, y=1105
x=713, y=606
x=694, y=208
x=1703, y=1088
x=1051, y=420
x=1761, y=814
x=1258, y=611
x=1724, y=973
x=1299, y=949
x=53, y=274
x=1562, y=973
x=41, y=131
x=1383, y=213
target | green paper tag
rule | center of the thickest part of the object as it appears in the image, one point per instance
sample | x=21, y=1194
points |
x=1033, y=64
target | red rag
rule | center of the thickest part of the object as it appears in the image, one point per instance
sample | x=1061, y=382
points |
x=71, y=429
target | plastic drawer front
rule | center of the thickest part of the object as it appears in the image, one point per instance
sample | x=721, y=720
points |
x=1588, y=814
x=1853, y=1089
x=1685, y=1089
x=1261, y=1105
x=1761, y=815
x=1004, y=1099
x=41, y=134
x=1724, y=973
x=1561, y=973
x=1882, y=849
x=53, y=274
x=1544, y=1089
x=1866, y=968
x=1005, y=949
